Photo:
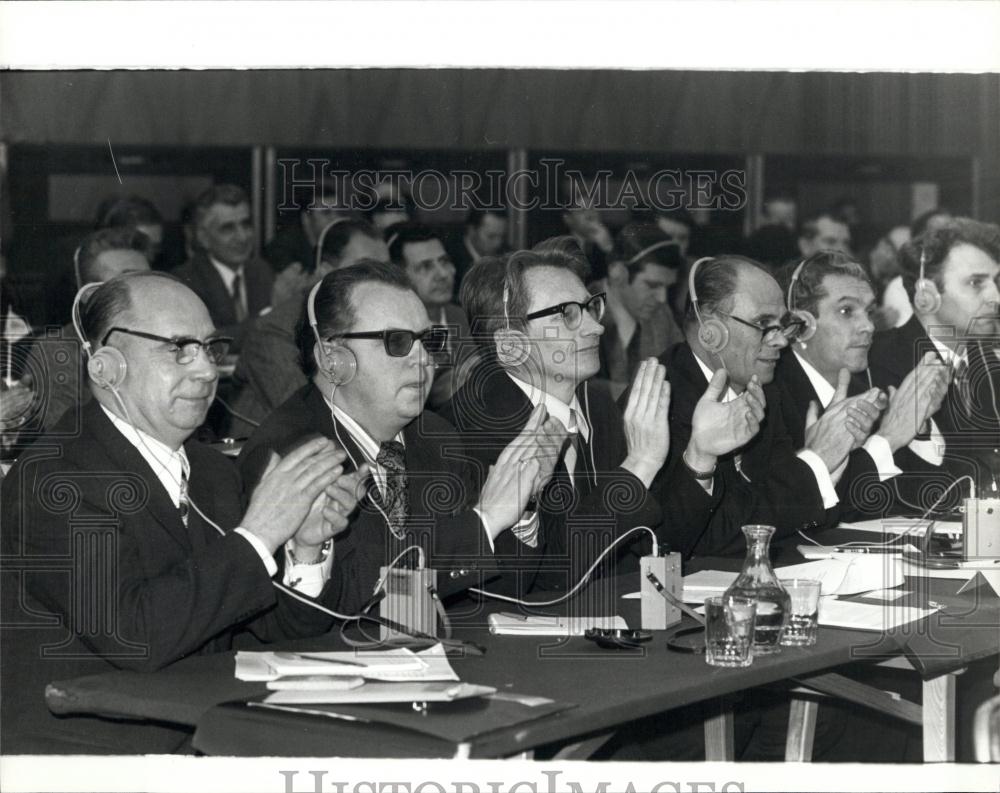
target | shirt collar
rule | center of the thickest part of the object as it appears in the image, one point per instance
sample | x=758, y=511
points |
x=948, y=355
x=556, y=407
x=824, y=391
x=228, y=273
x=709, y=374
x=167, y=464
x=368, y=445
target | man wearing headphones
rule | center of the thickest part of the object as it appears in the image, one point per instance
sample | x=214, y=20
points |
x=267, y=372
x=131, y=546
x=737, y=323
x=367, y=345
x=831, y=294
x=950, y=275
x=539, y=330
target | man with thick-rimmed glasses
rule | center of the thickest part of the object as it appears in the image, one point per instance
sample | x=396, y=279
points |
x=737, y=323
x=128, y=545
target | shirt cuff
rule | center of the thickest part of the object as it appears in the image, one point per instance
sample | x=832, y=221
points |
x=879, y=450
x=486, y=528
x=309, y=579
x=930, y=451
x=826, y=489
x=261, y=549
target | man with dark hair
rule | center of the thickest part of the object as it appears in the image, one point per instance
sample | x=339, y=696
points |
x=137, y=213
x=483, y=234
x=54, y=362
x=950, y=275
x=737, y=323
x=369, y=359
x=774, y=241
x=639, y=323
x=823, y=232
x=539, y=330
x=835, y=292
x=420, y=252
x=266, y=373
x=183, y=563
x=224, y=273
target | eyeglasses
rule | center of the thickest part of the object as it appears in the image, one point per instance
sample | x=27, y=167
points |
x=186, y=347
x=398, y=343
x=788, y=326
x=572, y=311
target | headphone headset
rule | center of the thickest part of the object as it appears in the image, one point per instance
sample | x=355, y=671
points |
x=712, y=333
x=515, y=351
x=107, y=366
x=809, y=329
x=341, y=364
x=76, y=267
x=648, y=250
x=926, y=297
x=322, y=239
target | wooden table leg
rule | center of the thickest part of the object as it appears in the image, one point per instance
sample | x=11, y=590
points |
x=719, y=742
x=801, y=730
x=939, y=718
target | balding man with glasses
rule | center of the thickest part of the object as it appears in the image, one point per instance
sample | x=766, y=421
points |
x=736, y=328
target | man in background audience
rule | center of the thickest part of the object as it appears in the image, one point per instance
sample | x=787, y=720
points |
x=638, y=323
x=54, y=360
x=584, y=223
x=774, y=242
x=823, y=232
x=422, y=255
x=137, y=213
x=224, y=273
x=485, y=234
x=267, y=372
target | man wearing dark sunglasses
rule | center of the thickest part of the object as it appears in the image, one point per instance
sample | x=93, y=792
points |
x=138, y=539
x=367, y=346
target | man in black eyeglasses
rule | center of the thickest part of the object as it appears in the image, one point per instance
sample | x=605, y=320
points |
x=367, y=345
x=737, y=324
x=134, y=540
x=540, y=330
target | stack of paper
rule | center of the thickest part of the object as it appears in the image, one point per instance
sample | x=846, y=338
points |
x=398, y=665
x=523, y=625
x=912, y=527
x=867, y=616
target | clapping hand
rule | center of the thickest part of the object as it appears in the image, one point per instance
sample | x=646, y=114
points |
x=647, y=431
x=826, y=435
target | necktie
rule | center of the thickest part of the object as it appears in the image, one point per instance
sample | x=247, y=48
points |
x=183, y=504
x=390, y=457
x=963, y=385
x=239, y=304
x=572, y=446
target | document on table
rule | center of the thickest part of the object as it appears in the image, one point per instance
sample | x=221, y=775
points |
x=398, y=665
x=525, y=625
x=835, y=613
x=913, y=527
x=382, y=692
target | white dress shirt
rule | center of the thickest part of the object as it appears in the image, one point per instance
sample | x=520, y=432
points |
x=876, y=446
x=827, y=490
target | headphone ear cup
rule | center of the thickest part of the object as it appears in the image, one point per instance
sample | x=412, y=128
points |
x=107, y=368
x=512, y=347
x=926, y=298
x=809, y=326
x=339, y=365
x=713, y=335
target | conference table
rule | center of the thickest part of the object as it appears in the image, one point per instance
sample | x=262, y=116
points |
x=567, y=692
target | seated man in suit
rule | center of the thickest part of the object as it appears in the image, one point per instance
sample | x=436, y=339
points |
x=950, y=275
x=224, y=273
x=367, y=347
x=832, y=293
x=639, y=322
x=54, y=361
x=737, y=322
x=268, y=372
x=484, y=234
x=422, y=255
x=150, y=551
x=539, y=331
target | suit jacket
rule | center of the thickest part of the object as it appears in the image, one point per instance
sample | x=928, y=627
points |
x=258, y=279
x=969, y=439
x=857, y=500
x=439, y=493
x=453, y=365
x=100, y=573
x=763, y=482
x=576, y=520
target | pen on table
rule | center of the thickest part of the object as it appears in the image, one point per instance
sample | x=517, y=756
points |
x=869, y=550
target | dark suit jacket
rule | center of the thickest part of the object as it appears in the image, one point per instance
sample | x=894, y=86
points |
x=204, y=279
x=969, y=439
x=439, y=494
x=774, y=488
x=576, y=521
x=100, y=573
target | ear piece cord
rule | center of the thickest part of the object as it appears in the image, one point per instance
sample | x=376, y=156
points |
x=580, y=583
x=590, y=425
x=695, y=304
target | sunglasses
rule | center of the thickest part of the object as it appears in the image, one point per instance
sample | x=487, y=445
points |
x=185, y=348
x=398, y=343
x=572, y=310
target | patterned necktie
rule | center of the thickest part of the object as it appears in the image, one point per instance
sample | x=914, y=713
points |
x=572, y=446
x=183, y=503
x=239, y=304
x=397, y=505
x=963, y=386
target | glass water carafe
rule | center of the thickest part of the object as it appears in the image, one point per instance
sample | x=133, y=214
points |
x=758, y=581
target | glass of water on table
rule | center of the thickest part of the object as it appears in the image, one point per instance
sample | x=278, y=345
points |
x=803, y=616
x=729, y=626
